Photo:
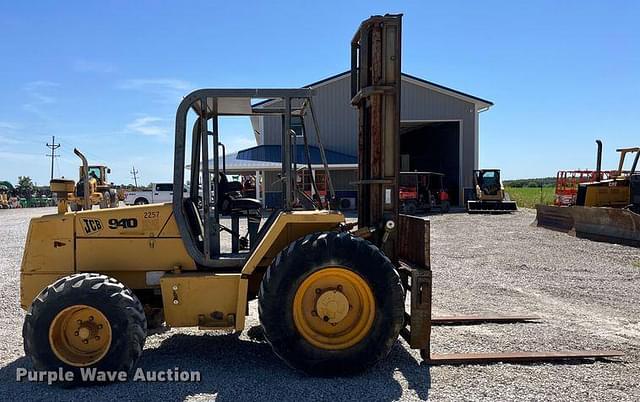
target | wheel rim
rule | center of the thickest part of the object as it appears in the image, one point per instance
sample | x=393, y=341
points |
x=80, y=335
x=333, y=308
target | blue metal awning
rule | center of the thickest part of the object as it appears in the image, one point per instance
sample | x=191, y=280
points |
x=273, y=153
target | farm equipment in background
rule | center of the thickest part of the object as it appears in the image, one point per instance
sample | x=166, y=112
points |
x=93, y=181
x=423, y=191
x=4, y=197
x=605, y=209
x=314, y=187
x=7, y=195
x=489, y=194
x=567, y=182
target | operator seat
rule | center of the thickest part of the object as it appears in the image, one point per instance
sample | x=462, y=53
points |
x=231, y=201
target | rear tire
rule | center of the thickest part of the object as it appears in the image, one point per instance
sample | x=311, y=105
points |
x=55, y=331
x=141, y=201
x=316, y=255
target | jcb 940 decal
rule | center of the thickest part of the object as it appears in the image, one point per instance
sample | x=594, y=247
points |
x=124, y=223
x=91, y=226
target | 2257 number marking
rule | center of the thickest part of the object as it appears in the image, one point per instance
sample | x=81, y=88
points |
x=124, y=223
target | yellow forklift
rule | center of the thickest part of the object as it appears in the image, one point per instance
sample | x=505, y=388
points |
x=331, y=297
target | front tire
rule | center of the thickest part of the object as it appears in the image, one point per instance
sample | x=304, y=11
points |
x=85, y=320
x=331, y=304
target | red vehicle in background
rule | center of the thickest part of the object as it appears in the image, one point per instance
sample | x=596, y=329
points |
x=567, y=182
x=423, y=191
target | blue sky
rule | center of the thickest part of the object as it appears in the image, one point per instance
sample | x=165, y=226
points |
x=107, y=76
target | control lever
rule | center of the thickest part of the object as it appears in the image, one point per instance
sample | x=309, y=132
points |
x=389, y=226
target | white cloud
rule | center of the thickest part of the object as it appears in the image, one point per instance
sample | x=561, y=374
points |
x=20, y=156
x=92, y=66
x=9, y=140
x=38, y=96
x=156, y=84
x=8, y=125
x=8, y=134
x=150, y=126
x=34, y=85
x=161, y=90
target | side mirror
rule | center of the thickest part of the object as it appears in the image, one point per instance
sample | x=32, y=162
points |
x=108, y=170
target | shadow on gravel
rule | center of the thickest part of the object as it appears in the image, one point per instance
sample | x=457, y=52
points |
x=235, y=369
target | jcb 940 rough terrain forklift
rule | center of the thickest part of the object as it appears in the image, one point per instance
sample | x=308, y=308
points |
x=330, y=301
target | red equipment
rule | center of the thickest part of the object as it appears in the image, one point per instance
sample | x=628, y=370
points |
x=567, y=182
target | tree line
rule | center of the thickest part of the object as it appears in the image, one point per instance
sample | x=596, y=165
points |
x=539, y=182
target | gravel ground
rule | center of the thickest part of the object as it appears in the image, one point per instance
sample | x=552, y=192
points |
x=586, y=292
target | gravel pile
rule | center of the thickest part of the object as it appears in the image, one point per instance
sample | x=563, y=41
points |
x=587, y=293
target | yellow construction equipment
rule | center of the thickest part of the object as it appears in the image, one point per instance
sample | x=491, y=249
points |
x=605, y=210
x=330, y=301
x=489, y=194
x=4, y=197
x=93, y=181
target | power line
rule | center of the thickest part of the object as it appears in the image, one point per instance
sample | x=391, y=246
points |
x=134, y=172
x=53, y=146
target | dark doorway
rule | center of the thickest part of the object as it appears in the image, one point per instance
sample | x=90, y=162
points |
x=433, y=147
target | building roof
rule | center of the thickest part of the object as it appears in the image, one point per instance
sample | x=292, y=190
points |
x=233, y=164
x=273, y=154
x=482, y=103
x=268, y=159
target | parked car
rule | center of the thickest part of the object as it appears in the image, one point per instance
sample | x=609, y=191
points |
x=159, y=193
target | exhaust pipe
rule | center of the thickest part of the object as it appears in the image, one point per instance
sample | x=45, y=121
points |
x=599, y=161
x=85, y=182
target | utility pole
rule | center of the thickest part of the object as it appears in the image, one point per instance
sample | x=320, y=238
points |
x=134, y=172
x=53, y=155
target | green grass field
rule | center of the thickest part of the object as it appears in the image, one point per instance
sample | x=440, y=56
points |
x=528, y=197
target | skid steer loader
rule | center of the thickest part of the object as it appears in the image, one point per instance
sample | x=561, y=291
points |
x=331, y=297
x=490, y=197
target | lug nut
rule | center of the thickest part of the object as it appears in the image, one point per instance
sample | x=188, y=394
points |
x=326, y=318
x=340, y=288
x=85, y=341
x=97, y=338
x=318, y=290
x=99, y=326
x=76, y=333
x=79, y=321
x=314, y=313
x=90, y=318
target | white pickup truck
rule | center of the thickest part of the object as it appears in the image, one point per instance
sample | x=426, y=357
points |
x=160, y=192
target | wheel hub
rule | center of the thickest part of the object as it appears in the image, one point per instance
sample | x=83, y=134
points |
x=80, y=335
x=332, y=306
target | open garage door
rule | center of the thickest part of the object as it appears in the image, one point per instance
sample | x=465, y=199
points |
x=433, y=147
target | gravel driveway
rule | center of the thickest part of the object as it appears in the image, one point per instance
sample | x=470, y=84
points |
x=587, y=293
